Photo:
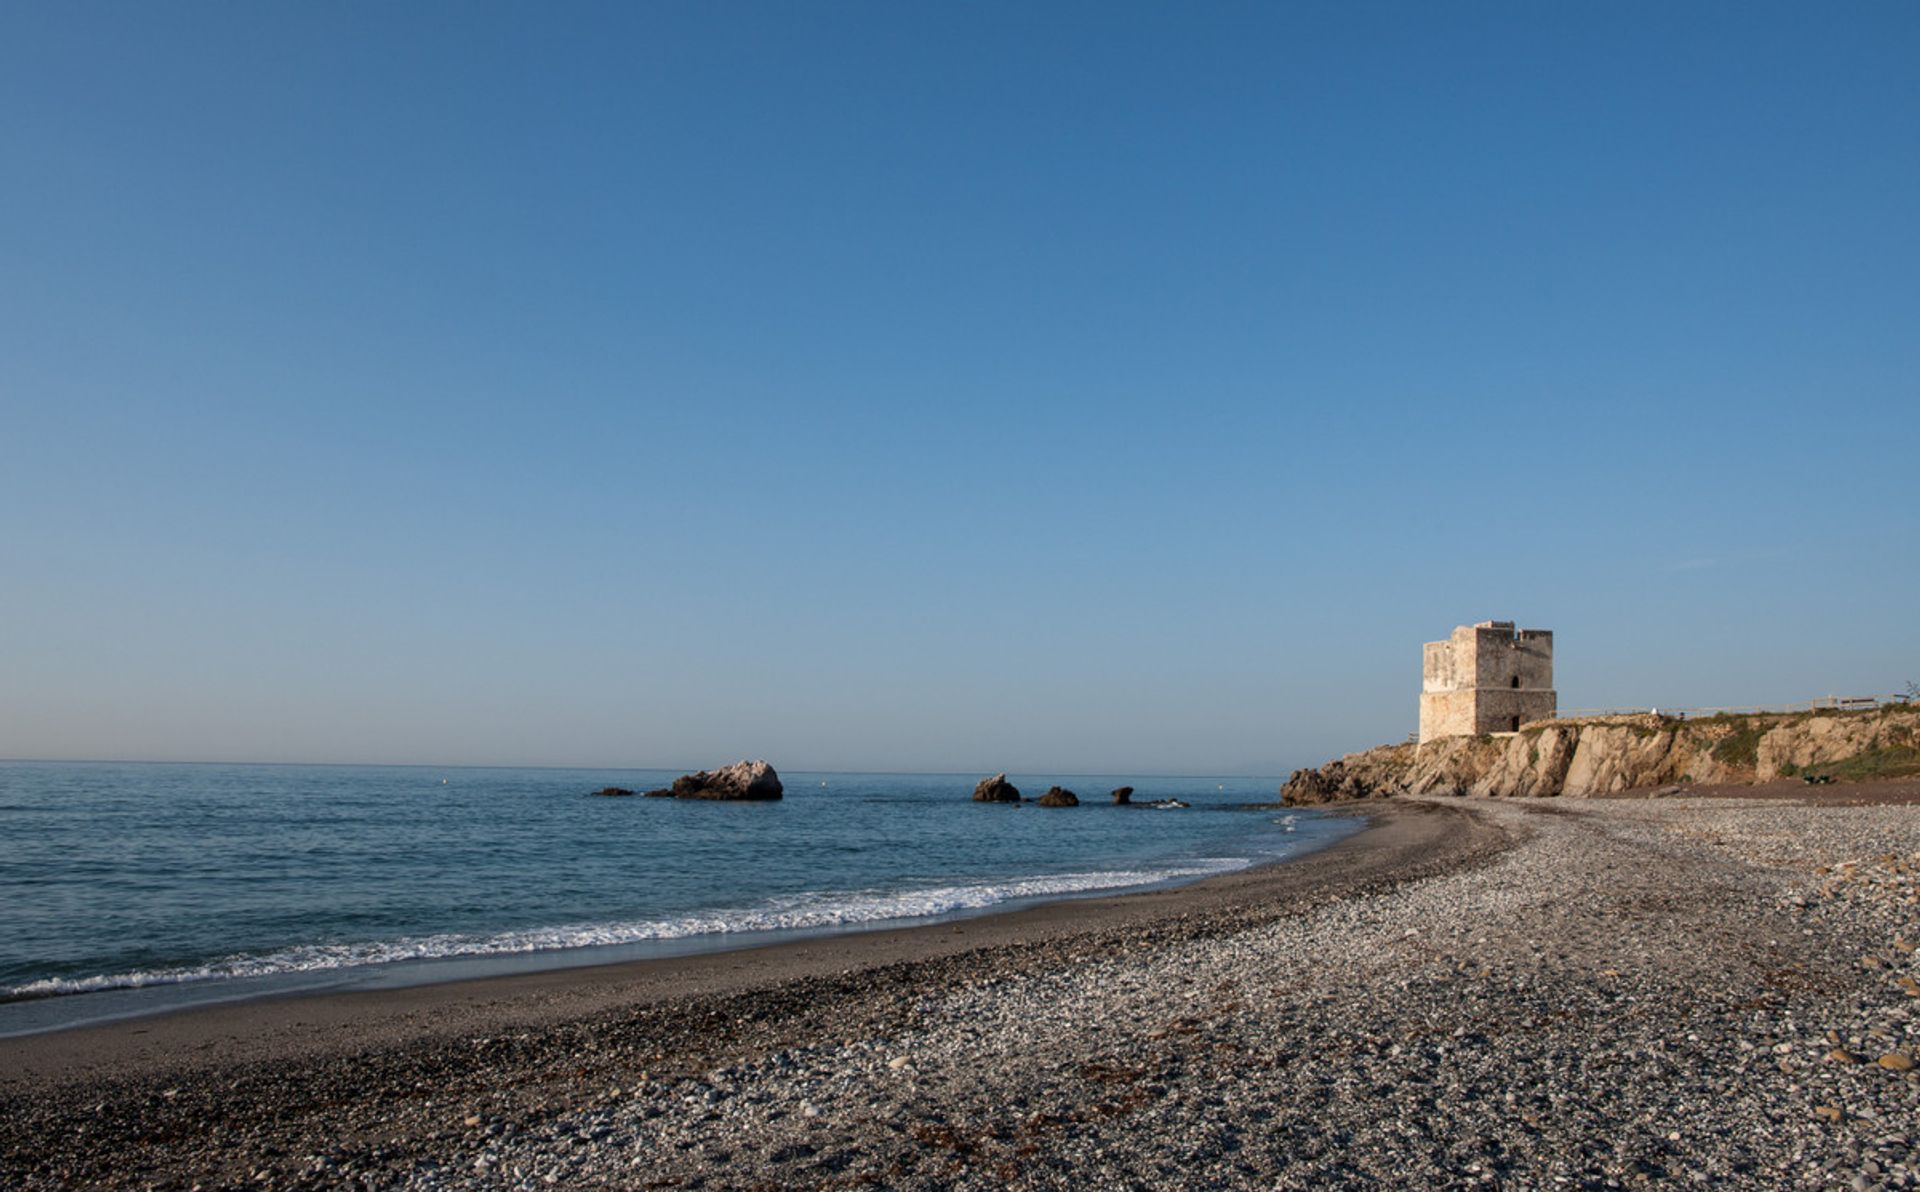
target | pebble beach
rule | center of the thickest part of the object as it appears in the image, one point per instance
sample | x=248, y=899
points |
x=1541, y=993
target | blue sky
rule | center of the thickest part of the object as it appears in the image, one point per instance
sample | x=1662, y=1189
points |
x=1072, y=387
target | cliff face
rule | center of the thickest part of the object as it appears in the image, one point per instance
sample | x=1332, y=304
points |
x=1617, y=753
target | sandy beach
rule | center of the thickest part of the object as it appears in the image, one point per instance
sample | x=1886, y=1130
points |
x=1592, y=993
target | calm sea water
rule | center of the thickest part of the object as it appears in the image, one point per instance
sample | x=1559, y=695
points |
x=144, y=886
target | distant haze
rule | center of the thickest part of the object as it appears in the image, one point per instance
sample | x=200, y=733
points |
x=974, y=387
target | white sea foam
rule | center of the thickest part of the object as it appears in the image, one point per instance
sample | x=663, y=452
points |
x=797, y=912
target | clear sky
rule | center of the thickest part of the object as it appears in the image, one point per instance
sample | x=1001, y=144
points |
x=1054, y=387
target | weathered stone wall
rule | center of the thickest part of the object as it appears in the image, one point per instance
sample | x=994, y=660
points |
x=1449, y=714
x=1504, y=710
x=1508, y=660
x=1444, y=667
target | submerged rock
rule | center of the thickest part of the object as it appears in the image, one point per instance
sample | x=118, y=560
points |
x=1059, y=796
x=740, y=781
x=1122, y=796
x=613, y=792
x=996, y=790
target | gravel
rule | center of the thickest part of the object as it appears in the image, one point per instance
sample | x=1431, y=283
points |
x=1628, y=993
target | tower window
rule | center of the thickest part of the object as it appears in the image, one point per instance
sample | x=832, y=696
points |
x=1516, y=680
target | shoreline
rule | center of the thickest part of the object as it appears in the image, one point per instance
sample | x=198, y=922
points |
x=322, y=1022
x=67, y=1010
x=507, y=874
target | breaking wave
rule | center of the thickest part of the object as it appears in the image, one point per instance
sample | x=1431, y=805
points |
x=799, y=912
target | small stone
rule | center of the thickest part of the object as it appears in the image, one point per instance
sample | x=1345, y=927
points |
x=1895, y=1061
x=897, y=1063
x=1842, y=1056
x=1829, y=1113
x=472, y=1119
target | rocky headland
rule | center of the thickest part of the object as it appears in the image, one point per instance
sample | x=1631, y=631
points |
x=1604, y=755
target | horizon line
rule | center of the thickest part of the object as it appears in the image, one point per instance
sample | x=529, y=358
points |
x=80, y=761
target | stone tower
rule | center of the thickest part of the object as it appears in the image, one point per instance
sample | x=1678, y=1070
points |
x=1486, y=678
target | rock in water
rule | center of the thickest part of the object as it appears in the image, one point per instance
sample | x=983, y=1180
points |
x=1059, y=796
x=741, y=780
x=613, y=792
x=996, y=790
x=1122, y=796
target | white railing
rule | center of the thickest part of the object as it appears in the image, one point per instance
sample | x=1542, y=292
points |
x=1830, y=703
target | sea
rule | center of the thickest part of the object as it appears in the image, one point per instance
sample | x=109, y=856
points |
x=132, y=888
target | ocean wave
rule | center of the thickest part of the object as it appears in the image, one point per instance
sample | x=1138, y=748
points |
x=797, y=912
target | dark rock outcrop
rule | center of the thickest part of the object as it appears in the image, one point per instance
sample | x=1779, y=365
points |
x=1335, y=782
x=613, y=792
x=740, y=781
x=1059, y=796
x=1122, y=796
x=996, y=790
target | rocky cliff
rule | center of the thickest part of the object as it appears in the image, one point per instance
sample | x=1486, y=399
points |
x=1617, y=753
